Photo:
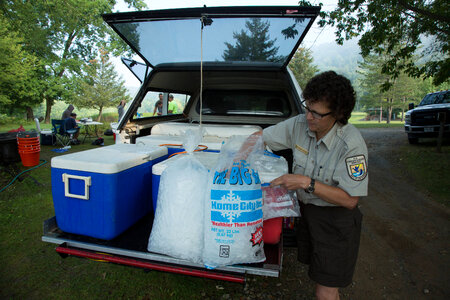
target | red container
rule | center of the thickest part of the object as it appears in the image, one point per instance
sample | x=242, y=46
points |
x=272, y=230
x=28, y=141
x=29, y=158
x=29, y=148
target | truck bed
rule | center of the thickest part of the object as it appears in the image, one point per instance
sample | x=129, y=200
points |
x=130, y=248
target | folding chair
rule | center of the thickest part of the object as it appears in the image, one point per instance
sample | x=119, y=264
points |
x=63, y=136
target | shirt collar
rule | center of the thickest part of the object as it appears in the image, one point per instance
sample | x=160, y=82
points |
x=329, y=137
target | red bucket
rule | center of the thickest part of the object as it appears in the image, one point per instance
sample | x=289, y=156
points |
x=27, y=137
x=28, y=141
x=29, y=147
x=29, y=158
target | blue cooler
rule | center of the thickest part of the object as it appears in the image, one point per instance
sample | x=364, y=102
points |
x=208, y=159
x=102, y=192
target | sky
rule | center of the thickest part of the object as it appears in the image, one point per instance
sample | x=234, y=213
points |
x=315, y=37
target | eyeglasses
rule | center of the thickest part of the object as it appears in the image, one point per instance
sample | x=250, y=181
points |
x=315, y=114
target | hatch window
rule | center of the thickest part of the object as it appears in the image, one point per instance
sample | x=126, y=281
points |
x=165, y=103
x=245, y=102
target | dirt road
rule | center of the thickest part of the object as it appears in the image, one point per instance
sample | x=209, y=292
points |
x=404, y=251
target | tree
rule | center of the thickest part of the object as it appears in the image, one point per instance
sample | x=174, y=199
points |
x=403, y=89
x=254, y=45
x=100, y=87
x=63, y=35
x=399, y=29
x=302, y=66
x=18, y=89
x=369, y=82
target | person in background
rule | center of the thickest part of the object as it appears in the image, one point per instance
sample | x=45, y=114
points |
x=67, y=112
x=120, y=108
x=70, y=124
x=329, y=176
x=172, y=109
x=157, y=111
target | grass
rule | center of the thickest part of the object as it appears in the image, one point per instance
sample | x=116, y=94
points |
x=429, y=169
x=358, y=119
x=28, y=125
x=31, y=125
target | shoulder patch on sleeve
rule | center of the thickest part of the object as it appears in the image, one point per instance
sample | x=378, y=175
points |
x=356, y=167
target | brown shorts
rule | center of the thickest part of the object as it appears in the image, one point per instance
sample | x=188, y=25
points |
x=328, y=240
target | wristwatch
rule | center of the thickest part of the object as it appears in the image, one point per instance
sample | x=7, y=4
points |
x=310, y=189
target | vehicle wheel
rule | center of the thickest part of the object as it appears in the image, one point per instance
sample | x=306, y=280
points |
x=413, y=140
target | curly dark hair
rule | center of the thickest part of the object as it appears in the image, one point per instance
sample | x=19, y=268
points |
x=335, y=90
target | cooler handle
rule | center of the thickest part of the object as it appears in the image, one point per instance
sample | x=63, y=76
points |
x=87, y=184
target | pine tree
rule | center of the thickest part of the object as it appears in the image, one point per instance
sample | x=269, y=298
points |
x=252, y=45
x=403, y=89
x=302, y=66
x=100, y=86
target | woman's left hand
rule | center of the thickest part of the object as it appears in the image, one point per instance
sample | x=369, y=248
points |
x=292, y=181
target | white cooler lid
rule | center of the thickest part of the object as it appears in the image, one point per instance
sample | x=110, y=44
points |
x=110, y=159
x=227, y=131
x=208, y=159
x=213, y=130
x=212, y=142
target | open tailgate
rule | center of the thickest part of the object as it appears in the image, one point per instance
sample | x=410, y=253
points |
x=130, y=248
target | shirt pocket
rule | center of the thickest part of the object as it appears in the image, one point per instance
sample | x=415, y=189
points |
x=300, y=161
x=326, y=176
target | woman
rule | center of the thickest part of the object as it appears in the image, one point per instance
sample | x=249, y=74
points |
x=329, y=176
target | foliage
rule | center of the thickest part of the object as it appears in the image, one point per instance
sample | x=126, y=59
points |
x=109, y=117
x=63, y=35
x=302, y=66
x=18, y=68
x=98, y=87
x=370, y=81
x=5, y=120
x=426, y=86
x=398, y=29
x=404, y=89
x=254, y=45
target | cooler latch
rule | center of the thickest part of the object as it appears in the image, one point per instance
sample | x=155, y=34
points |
x=87, y=183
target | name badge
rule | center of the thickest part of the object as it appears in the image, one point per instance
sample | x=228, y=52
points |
x=301, y=149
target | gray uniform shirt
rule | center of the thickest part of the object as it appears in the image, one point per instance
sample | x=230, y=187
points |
x=338, y=159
